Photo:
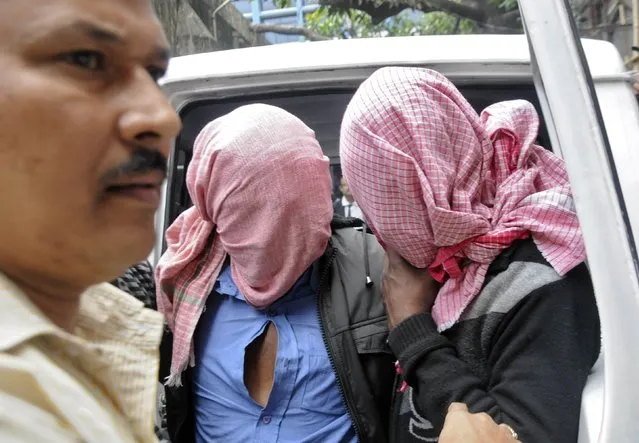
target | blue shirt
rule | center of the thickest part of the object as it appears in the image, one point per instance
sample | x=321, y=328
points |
x=305, y=405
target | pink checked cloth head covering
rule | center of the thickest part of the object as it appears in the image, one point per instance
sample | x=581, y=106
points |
x=261, y=190
x=443, y=186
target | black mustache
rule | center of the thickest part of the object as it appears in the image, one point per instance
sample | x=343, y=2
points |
x=143, y=161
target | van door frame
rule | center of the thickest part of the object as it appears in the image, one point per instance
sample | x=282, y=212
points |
x=575, y=122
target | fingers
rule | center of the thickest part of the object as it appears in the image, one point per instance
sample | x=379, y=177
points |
x=505, y=428
x=457, y=407
x=459, y=418
x=396, y=259
x=392, y=256
x=484, y=418
x=509, y=432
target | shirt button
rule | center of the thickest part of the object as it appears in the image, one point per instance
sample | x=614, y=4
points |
x=266, y=419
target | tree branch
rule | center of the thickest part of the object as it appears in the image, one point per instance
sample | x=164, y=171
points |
x=379, y=11
x=261, y=28
x=463, y=10
x=474, y=11
x=509, y=16
x=457, y=24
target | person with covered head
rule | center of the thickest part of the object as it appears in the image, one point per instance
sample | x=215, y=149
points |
x=278, y=325
x=489, y=300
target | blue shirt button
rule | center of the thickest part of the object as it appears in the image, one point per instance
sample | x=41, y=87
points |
x=266, y=419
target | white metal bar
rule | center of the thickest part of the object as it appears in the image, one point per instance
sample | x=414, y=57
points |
x=284, y=12
x=299, y=12
x=608, y=234
x=256, y=11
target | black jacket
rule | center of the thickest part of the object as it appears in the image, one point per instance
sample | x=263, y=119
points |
x=521, y=352
x=355, y=330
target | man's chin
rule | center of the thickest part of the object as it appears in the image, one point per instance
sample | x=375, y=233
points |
x=116, y=271
x=128, y=254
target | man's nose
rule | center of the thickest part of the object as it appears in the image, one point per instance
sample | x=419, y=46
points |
x=148, y=117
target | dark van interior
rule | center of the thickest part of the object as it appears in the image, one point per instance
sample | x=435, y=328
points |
x=322, y=111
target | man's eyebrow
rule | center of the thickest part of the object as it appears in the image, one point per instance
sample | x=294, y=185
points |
x=160, y=54
x=71, y=28
x=99, y=33
x=96, y=32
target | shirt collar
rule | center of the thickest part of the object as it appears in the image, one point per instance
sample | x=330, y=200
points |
x=21, y=320
x=226, y=286
x=112, y=327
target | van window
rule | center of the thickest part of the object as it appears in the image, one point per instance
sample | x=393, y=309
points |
x=322, y=111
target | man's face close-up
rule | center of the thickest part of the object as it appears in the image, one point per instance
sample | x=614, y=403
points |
x=84, y=137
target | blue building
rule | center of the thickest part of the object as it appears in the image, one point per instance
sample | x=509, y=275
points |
x=266, y=11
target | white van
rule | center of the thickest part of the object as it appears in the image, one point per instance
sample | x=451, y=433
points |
x=315, y=82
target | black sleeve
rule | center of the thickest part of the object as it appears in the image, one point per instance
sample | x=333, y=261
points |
x=539, y=361
x=139, y=281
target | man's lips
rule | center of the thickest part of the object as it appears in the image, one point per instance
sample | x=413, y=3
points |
x=154, y=178
x=146, y=189
x=148, y=194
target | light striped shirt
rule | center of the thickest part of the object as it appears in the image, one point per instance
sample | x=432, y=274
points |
x=97, y=385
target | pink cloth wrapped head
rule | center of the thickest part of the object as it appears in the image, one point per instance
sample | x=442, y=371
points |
x=261, y=191
x=441, y=185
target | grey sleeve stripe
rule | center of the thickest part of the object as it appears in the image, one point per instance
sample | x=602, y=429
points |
x=509, y=287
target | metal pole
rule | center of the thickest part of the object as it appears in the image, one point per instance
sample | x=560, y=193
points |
x=564, y=74
x=284, y=12
x=299, y=5
x=635, y=33
x=256, y=11
x=218, y=9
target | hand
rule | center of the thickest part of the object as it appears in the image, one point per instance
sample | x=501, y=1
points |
x=463, y=427
x=407, y=290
